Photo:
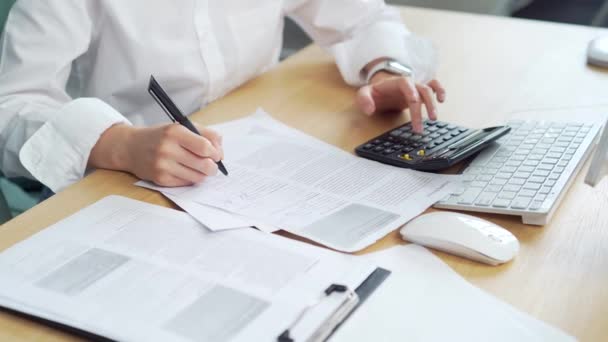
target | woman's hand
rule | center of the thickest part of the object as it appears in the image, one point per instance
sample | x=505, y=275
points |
x=168, y=155
x=389, y=92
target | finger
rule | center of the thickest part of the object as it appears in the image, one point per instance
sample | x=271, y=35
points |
x=188, y=159
x=215, y=138
x=426, y=93
x=169, y=180
x=438, y=89
x=179, y=171
x=413, y=101
x=365, y=101
x=196, y=144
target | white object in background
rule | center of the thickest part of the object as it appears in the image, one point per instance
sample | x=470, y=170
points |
x=597, y=52
x=425, y=300
x=463, y=235
x=599, y=164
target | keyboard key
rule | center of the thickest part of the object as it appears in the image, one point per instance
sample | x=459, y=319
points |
x=532, y=186
x=529, y=169
x=501, y=203
x=521, y=202
x=480, y=184
x=541, y=173
x=489, y=171
x=517, y=181
x=507, y=195
x=559, y=169
x=470, y=177
x=551, y=161
x=493, y=188
x=545, y=190
x=535, y=205
x=469, y=196
x=554, y=176
x=541, y=198
x=504, y=175
x=550, y=183
x=527, y=193
x=546, y=167
x=536, y=157
x=510, y=169
x=512, y=187
x=485, y=199
x=484, y=178
x=498, y=181
x=523, y=175
x=531, y=162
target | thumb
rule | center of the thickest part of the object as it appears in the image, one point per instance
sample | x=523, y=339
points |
x=365, y=100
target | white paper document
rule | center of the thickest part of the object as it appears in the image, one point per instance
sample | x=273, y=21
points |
x=425, y=300
x=132, y=271
x=286, y=179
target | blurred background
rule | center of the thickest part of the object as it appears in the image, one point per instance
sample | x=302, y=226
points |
x=581, y=12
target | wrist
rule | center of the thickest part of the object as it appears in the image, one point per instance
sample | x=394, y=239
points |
x=112, y=150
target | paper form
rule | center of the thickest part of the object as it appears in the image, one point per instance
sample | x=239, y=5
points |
x=297, y=183
x=131, y=271
x=425, y=300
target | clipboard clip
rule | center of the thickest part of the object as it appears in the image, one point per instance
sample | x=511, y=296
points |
x=336, y=318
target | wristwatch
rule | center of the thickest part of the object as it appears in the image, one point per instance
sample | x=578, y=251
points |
x=391, y=66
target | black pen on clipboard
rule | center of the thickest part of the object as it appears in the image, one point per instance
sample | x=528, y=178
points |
x=165, y=102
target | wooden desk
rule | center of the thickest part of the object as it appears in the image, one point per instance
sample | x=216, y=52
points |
x=494, y=69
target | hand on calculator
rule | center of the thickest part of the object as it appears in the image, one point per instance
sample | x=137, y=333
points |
x=388, y=92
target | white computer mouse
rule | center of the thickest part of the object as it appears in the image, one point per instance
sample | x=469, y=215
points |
x=597, y=52
x=463, y=235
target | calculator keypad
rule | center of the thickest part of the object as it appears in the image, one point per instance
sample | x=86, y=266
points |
x=403, y=144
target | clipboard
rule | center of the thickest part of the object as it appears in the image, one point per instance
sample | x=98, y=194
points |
x=353, y=299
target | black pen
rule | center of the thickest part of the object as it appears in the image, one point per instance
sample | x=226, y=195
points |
x=174, y=113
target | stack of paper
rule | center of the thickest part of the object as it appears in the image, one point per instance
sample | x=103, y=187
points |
x=425, y=300
x=282, y=178
x=131, y=271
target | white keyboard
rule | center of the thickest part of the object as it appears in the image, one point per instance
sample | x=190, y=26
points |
x=527, y=172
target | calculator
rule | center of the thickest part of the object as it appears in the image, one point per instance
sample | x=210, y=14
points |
x=440, y=146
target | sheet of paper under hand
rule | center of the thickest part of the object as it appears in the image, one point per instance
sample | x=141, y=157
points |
x=425, y=300
x=312, y=189
x=216, y=219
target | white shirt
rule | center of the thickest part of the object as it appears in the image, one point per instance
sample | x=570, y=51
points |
x=70, y=69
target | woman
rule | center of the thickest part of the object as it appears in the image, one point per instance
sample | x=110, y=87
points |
x=73, y=77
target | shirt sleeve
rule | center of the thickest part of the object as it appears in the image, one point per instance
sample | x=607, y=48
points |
x=44, y=133
x=355, y=32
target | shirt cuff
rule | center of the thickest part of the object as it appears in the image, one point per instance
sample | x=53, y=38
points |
x=381, y=40
x=57, y=154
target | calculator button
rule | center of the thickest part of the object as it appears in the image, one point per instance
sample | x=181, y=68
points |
x=387, y=144
x=406, y=135
x=405, y=157
x=451, y=127
x=367, y=146
x=416, y=137
x=378, y=149
x=377, y=141
x=441, y=124
x=421, y=153
x=432, y=129
x=396, y=133
x=431, y=123
x=389, y=151
x=442, y=131
x=426, y=140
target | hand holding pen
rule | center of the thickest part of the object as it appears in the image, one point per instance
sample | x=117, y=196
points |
x=163, y=99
